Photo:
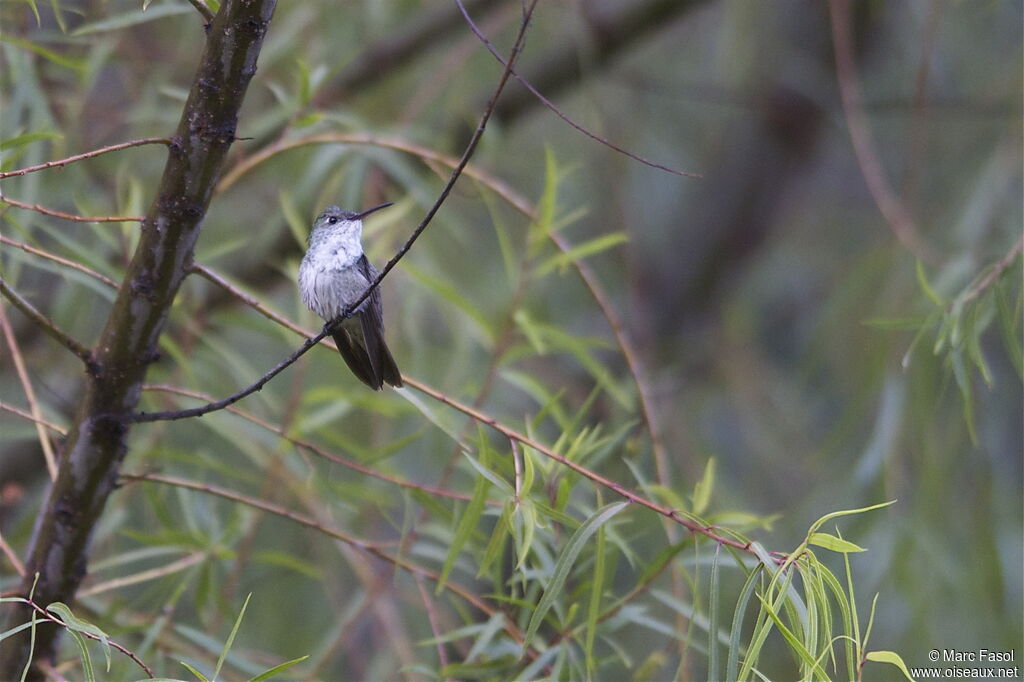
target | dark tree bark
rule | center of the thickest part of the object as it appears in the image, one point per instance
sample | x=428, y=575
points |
x=95, y=445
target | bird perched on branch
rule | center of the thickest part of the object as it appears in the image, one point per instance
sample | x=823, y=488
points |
x=334, y=275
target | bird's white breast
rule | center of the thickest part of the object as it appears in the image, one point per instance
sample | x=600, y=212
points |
x=329, y=278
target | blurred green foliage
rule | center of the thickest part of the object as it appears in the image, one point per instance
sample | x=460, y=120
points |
x=797, y=359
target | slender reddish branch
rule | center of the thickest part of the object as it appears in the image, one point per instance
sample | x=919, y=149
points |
x=58, y=259
x=12, y=557
x=30, y=394
x=892, y=208
x=558, y=112
x=25, y=414
x=60, y=163
x=70, y=216
x=45, y=323
x=997, y=270
x=433, y=619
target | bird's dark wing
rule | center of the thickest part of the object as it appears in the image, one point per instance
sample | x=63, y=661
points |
x=372, y=319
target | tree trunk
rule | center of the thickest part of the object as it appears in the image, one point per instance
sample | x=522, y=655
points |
x=95, y=445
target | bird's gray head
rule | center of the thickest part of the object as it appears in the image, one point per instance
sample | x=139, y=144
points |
x=335, y=215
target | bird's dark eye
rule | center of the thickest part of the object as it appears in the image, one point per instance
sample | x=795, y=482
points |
x=332, y=219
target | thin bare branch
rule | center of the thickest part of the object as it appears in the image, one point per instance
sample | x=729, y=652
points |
x=44, y=322
x=893, y=210
x=497, y=186
x=558, y=112
x=997, y=270
x=30, y=394
x=60, y=163
x=432, y=618
x=12, y=557
x=58, y=259
x=269, y=507
x=144, y=576
x=329, y=327
x=25, y=414
x=70, y=216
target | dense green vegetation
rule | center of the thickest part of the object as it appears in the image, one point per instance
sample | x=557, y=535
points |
x=763, y=423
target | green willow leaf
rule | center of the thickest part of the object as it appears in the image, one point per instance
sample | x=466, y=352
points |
x=127, y=19
x=829, y=541
x=465, y=528
x=564, y=565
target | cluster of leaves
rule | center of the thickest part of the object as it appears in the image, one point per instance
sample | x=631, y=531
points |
x=958, y=324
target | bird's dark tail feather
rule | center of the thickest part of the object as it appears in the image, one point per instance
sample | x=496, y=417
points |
x=373, y=374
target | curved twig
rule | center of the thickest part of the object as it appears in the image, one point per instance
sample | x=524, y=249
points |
x=58, y=259
x=558, y=112
x=45, y=323
x=60, y=163
x=71, y=216
x=893, y=210
x=30, y=394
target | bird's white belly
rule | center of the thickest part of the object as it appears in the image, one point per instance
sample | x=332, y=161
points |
x=328, y=290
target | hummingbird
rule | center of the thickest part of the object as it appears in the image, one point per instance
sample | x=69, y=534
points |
x=334, y=273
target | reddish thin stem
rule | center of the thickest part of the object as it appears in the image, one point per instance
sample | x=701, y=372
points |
x=87, y=155
x=893, y=210
x=70, y=216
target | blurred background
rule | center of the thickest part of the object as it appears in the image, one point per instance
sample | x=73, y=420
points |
x=827, y=350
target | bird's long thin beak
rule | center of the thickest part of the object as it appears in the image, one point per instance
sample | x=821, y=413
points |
x=371, y=210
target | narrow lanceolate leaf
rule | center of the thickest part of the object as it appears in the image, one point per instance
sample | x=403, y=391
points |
x=588, y=248
x=847, y=512
x=524, y=527
x=564, y=565
x=594, y=607
x=279, y=668
x=829, y=541
x=198, y=675
x=926, y=286
x=892, y=658
x=465, y=527
x=497, y=542
x=702, y=491
x=127, y=19
x=735, y=645
x=49, y=55
x=794, y=641
x=28, y=138
x=83, y=650
x=76, y=625
x=231, y=637
x=713, y=664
